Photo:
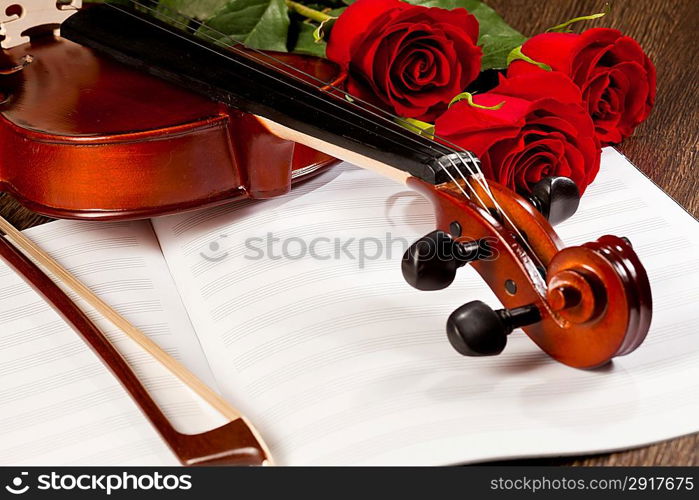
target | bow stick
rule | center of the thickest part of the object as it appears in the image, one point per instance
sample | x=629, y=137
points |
x=232, y=443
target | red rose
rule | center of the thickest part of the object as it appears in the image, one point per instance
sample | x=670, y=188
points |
x=541, y=130
x=615, y=76
x=409, y=58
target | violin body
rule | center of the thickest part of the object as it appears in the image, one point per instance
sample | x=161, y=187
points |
x=84, y=137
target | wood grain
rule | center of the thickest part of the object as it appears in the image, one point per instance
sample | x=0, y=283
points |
x=664, y=148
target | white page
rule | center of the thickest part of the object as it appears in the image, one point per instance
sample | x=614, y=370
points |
x=342, y=364
x=58, y=403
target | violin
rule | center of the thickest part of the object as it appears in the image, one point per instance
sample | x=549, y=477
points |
x=131, y=115
x=86, y=138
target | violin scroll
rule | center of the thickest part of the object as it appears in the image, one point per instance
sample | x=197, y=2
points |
x=582, y=305
x=600, y=296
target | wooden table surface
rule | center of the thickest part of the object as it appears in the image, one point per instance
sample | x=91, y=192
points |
x=665, y=147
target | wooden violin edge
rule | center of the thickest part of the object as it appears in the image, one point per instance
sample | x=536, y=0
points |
x=78, y=141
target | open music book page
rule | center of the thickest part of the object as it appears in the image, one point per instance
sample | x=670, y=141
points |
x=330, y=353
x=309, y=328
x=59, y=405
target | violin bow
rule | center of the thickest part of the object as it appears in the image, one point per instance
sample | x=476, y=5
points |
x=235, y=443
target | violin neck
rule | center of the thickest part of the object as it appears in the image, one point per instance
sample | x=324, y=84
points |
x=288, y=105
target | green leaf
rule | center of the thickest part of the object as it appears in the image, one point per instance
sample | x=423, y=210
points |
x=497, y=38
x=199, y=9
x=259, y=24
x=306, y=44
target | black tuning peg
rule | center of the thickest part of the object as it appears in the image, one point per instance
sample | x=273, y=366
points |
x=475, y=329
x=431, y=262
x=557, y=198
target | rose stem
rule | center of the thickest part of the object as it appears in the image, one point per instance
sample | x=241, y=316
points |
x=313, y=14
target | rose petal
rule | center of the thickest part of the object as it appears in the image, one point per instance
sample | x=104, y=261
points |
x=356, y=23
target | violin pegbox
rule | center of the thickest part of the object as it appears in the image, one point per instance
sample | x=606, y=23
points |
x=581, y=305
x=17, y=18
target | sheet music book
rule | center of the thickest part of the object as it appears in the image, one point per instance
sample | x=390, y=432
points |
x=288, y=308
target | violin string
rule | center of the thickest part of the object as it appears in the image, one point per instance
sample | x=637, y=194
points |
x=382, y=114
x=190, y=20
x=407, y=135
x=366, y=104
x=472, y=167
x=351, y=99
x=475, y=171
